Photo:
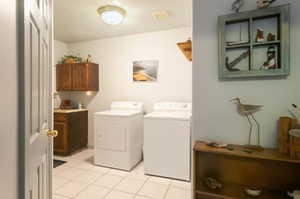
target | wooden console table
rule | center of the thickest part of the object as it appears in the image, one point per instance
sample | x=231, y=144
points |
x=270, y=170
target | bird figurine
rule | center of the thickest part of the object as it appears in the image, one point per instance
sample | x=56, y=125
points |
x=236, y=6
x=264, y=3
x=248, y=110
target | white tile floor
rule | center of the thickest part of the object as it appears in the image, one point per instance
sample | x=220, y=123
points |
x=80, y=179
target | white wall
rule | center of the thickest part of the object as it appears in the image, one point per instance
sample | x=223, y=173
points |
x=8, y=100
x=215, y=118
x=60, y=50
x=115, y=56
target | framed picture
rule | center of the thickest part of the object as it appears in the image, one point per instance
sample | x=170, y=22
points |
x=145, y=71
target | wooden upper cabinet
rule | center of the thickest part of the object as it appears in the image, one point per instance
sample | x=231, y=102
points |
x=63, y=77
x=77, y=77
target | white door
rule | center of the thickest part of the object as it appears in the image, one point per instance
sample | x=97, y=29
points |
x=38, y=103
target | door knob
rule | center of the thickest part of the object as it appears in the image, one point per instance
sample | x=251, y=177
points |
x=52, y=133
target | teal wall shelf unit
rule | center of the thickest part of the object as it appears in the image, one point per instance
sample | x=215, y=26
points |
x=255, y=44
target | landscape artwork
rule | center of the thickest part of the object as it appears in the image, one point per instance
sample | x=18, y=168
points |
x=145, y=71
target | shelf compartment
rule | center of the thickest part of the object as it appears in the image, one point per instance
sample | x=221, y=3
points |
x=268, y=24
x=265, y=56
x=237, y=33
x=238, y=59
x=235, y=191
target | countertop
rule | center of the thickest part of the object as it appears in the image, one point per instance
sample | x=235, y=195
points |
x=69, y=110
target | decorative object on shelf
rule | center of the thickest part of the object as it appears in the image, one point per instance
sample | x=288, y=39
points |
x=66, y=104
x=145, y=71
x=264, y=3
x=237, y=5
x=254, y=192
x=248, y=110
x=56, y=100
x=295, y=111
x=212, y=183
x=271, y=62
x=295, y=144
x=295, y=194
x=271, y=37
x=186, y=48
x=80, y=105
x=70, y=59
x=260, y=37
x=111, y=14
x=216, y=144
x=285, y=124
x=230, y=66
x=89, y=59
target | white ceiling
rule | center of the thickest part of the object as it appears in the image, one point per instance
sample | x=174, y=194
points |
x=77, y=20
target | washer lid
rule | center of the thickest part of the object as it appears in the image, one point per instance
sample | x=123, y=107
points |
x=120, y=113
x=169, y=115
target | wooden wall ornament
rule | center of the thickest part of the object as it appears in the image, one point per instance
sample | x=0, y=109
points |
x=186, y=48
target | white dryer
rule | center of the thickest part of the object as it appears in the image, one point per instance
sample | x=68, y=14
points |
x=167, y=140
x=119, y=135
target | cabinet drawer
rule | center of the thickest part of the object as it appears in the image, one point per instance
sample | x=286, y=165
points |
x=60, y=117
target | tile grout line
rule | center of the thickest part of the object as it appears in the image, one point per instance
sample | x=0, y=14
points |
x=165, y=195
x=112, y=189
x=136, y=194
x=89, y=184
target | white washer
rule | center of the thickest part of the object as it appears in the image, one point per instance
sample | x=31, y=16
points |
x=119, y=135
x=167, y=140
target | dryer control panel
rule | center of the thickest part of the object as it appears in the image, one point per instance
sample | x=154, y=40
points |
x=127, y=105
x=173, y=106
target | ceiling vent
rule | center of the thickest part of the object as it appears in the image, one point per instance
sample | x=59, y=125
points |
x=160, y=15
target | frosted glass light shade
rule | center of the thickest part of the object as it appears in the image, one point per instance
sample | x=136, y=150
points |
x=112, y=15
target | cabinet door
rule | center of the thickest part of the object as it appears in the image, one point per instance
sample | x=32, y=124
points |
x=93, y=77
x=61, y=141
x=85, y=77
x=64, y=77
x=80, y=77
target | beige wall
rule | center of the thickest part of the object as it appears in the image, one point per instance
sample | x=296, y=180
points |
x=8, y=100
x=115, y=56
x=215, y=118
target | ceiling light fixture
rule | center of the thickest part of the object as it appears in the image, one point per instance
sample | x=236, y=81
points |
x=112, y=15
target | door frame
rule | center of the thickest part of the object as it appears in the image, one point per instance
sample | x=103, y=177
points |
x=23, y=152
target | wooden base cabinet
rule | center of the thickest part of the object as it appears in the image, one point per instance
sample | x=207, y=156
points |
x=72, y=130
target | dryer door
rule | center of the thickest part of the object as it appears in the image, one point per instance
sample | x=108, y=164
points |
x=110, y=133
